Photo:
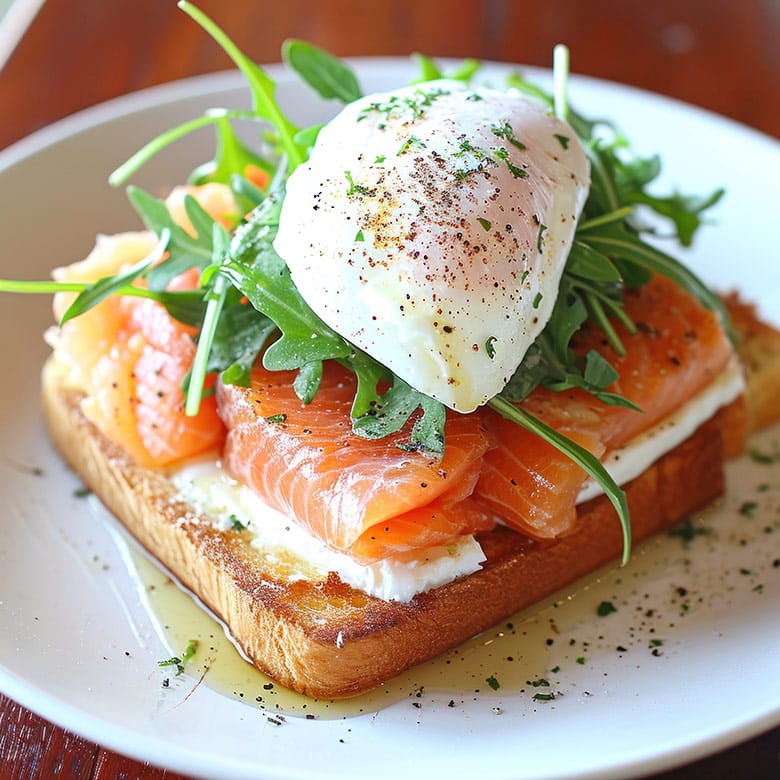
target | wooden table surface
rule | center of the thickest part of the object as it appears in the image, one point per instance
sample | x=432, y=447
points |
x=723, y=55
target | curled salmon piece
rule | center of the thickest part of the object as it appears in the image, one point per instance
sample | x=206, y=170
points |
x=679, y=348
x=130, y=357
x=367, y=498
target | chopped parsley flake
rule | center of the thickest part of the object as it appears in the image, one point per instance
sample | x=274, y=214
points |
x=540, y=238
x=605, y=608
x=563, y=139
x=504, y=130
x=411, y=141
x=493, y=683
x=515, y=170
x=764, y=457
x=748, y=508
x=688, y=531
x=180, y=661
x=397, y=105
x=355, y=189
x=484, y=222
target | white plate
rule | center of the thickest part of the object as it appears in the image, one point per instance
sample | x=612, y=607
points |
x=699, y=672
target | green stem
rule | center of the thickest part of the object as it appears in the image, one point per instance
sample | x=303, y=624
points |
x=261, y=85
x=617, y=310
x=605, y=219
x=50, y=287
x=658, y=262
x=599, y=173
x=36, y=287
x=560, y=81
x=598, y=313
x=578, y=455
x=216, y=301
x=149, y=150
x=146, y=152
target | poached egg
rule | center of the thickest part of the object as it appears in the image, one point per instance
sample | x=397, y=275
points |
x=430, y=227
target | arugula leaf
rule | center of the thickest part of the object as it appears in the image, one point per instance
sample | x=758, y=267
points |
x=620, y=241
x=684, y=210
x=308, y=136
x=307, y=381
x=429, y=70
x=185, y=251
x=230, y=151
x=215, y=301
x=184, y=305
x=262, y=276
x=329, y=76
x=257, y=271
x=187, y=306
x=232, y=157
x=93, y=294
x=395, y=407
x=246, y=193
x=240, y=337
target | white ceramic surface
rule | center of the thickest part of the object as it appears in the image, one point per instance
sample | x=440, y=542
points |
x=688, y=664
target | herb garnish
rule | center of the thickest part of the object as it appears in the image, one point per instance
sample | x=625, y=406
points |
x=181, y=661
x=504, y=130
x=687, y=530
x=605, y=608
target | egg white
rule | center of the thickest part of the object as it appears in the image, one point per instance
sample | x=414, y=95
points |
x=430, y=228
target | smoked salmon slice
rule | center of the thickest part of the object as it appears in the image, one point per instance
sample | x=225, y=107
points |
x=679, y=347
x=374, y=498
x=130, y=357
x=367, y=498
x=133, y=376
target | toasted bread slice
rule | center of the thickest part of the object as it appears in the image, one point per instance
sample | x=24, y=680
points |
x=758, y=345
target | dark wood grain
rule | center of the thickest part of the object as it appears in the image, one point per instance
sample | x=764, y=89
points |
x=31, y=747
x=722, y=55
x=718, y=54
